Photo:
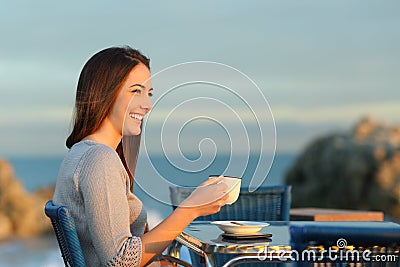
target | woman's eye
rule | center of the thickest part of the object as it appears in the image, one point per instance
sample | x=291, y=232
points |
x=150, y=94
x=136, y=91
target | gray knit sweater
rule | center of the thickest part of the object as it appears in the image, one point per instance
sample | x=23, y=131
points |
x=94, y=185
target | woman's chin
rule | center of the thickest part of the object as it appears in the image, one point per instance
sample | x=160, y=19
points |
x=130, y=132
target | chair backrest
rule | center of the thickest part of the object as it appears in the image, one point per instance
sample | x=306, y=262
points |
x=67, y=237
x=270, y=203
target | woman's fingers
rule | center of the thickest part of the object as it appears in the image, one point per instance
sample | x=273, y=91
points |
x=213, y=180
x=222, y=200
x=208, y=198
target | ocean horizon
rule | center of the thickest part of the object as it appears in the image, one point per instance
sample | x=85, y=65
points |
x=41, y=171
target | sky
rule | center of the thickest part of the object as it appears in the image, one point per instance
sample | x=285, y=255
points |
x=321, y=65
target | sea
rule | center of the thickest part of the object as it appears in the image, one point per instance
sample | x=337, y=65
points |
x=154, y=174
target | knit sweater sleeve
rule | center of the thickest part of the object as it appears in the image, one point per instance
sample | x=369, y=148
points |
x=103, y=188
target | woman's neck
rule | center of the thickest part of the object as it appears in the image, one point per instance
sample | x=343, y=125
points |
x=106, y=135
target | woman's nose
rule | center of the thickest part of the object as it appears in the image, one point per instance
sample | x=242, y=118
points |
x=146, y=104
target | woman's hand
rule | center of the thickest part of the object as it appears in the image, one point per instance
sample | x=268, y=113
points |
x=206, y=199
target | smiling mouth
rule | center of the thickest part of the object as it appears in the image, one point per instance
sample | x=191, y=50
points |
x=136, y=116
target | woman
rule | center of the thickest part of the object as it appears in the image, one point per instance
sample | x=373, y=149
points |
x=94, y=182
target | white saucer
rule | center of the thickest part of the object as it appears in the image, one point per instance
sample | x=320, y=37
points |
x=245, y=227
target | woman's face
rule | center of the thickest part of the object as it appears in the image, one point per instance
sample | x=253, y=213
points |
x=133, y=102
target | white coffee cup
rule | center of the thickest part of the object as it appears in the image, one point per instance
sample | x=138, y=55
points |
x=233, y=184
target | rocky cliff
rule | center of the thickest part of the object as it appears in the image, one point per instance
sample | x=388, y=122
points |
x=21, y=213
x=357, y=169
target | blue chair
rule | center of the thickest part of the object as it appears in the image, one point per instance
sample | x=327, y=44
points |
x=67, y=238
x=270, y=203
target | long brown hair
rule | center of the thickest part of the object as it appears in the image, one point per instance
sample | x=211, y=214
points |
x=99, y=83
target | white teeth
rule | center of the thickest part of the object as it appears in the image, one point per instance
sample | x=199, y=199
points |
x=136, y=116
